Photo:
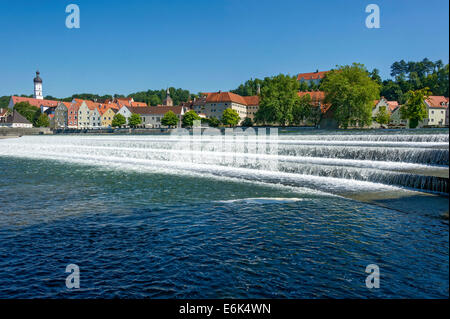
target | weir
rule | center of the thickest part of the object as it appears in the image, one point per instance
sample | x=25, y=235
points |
x=340, y=163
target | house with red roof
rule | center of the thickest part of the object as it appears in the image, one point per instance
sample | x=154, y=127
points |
x=389, y=106
x=217, y=102
x=437, y=109
x=312, y=77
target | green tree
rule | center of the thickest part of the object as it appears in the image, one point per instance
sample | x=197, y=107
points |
x=247, y=122
x=30, y=112
x=415, y=109
x=189, y=117
x=170, y=119
x=42, y=121
x=301, y=109
x=213, y=122
x=118, y=120
x=351, y=93
x=230, y=117
x=134, y=120
x=382, y=116
x=278, y=98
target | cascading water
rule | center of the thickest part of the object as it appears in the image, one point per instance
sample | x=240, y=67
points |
x=339, y=163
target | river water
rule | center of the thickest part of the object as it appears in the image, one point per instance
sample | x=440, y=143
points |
x=164, y=217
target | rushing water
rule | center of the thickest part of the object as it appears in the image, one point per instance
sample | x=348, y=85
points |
x=146, y=216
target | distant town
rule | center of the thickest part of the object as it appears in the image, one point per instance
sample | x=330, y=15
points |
x=310, y=101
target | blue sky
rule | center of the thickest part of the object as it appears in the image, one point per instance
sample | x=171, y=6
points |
x=205, y=45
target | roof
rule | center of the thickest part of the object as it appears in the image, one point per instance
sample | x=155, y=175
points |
x=219, y=97
x=156, y=109
x=138, y=104
x=251, y=100
x=16, y=117
x=318, y=98
x=37, y=79
x=392, y=105
x=124, y=101
x=312, y=75
x=33, y=101
x=437, y=101
x=3, y=111
x=103, y=110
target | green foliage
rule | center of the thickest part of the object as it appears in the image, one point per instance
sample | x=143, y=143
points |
x=134, y=120
x=247, y=122
x=230, y=117
x=42, y=120
x=415, y=109
x=278, y=98
x=4, y=101
x=155, y=97
x=301, y=109
x=169, y=119
x=249, y=88
x=411, y=76
x=30, y=112
x=118, y=120
x=351, y=93
x=189, y=117
x=382, y=116
x=213, y=121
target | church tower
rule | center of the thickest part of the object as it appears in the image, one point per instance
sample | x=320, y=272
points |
x=38, y=87
x=168, y=100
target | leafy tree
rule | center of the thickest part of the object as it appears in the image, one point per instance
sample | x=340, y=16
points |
x=382, y=116
x=230, y=117
x=134, y=120
x=247, y=122
x=189, y=117
x=30, y=112
x=170, y=119
x=249, y=88
x=415, y=109
x=42, y=121
x=213, y=121
x=301, y=109
x=278, y=98
x=118, y=120
x=4, y=101
x=351, y=93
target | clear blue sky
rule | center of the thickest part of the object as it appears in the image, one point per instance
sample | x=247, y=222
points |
x=205, y=45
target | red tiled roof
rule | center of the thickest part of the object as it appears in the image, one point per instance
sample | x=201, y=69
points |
x=219, y=97
x=317, y=97
x=251, y=100
x=437, y=101
x=311, y=75
x=34, y=102
x=392, y=105
x=138, y=104
x=3, y=111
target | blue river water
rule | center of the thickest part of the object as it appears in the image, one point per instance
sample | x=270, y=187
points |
x=157, y=235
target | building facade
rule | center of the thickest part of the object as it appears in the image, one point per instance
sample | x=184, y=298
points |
x=216, y=103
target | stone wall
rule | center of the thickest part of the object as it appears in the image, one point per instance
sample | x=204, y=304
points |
x=19, y=131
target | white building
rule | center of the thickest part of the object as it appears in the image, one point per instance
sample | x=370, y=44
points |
x=437, y=109
x=217, y=102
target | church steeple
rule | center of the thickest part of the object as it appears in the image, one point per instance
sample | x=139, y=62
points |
x=168, y=100
x=38, y=87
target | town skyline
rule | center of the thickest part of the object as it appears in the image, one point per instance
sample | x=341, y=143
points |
x=174, y=44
